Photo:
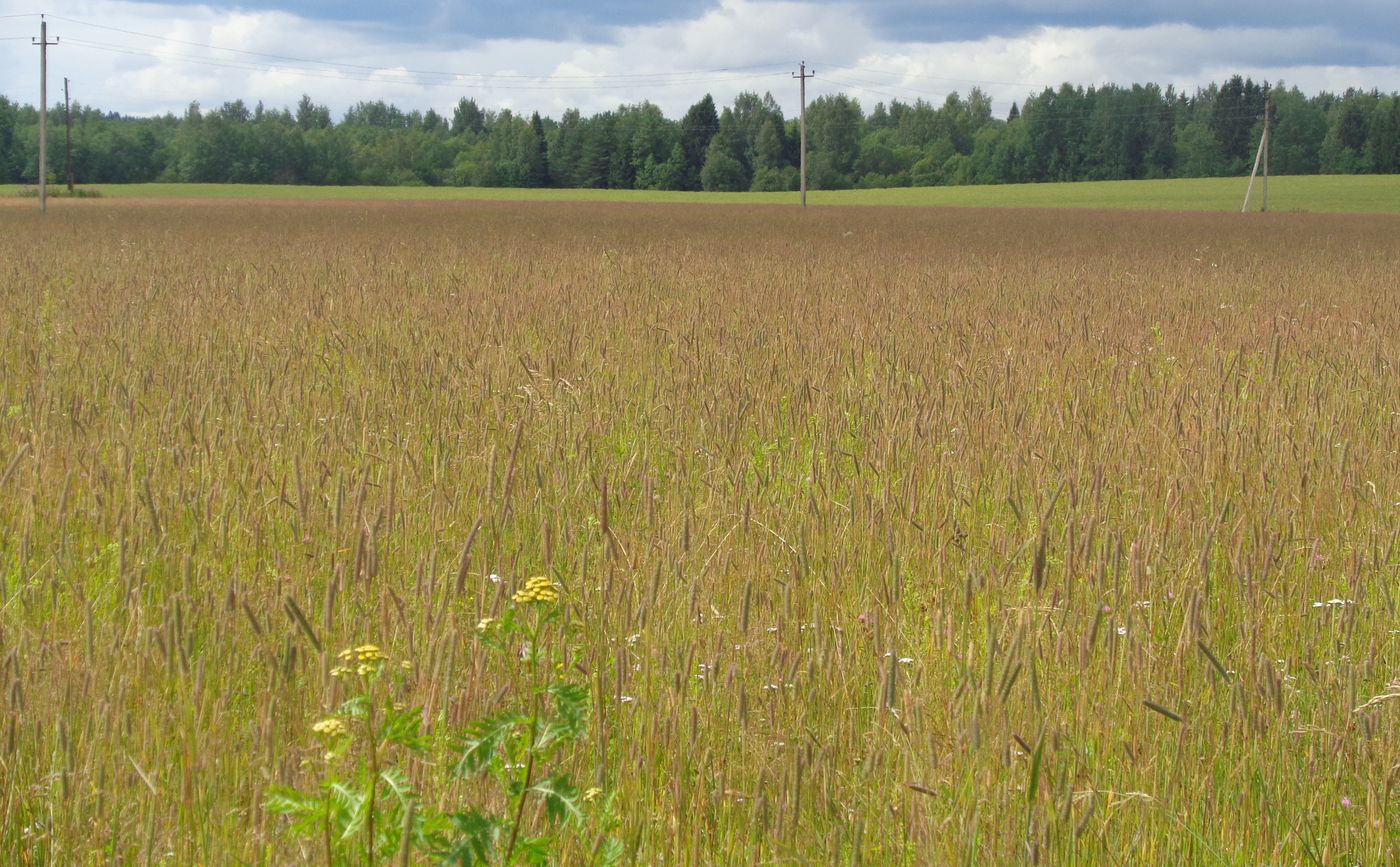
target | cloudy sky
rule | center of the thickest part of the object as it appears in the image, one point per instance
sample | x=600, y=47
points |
x=153, y=57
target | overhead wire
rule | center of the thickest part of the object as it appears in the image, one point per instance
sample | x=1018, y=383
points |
x=542, y=81
x=876, y=87
x=619, y=77
x=1164, y=111
x=393, y=77
x=849, y=85
x=403, y=77
x=923, y=76
x=550, y=81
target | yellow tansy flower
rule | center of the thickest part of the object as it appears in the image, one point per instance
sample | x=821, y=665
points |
x=538, y=589
x=330, y=728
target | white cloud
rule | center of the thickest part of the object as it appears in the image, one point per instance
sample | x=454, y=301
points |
x=134, y=74
x=1008, y=68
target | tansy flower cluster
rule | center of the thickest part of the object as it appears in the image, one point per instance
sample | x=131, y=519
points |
x=360, y=660
x=538, y=589
x=331, y=728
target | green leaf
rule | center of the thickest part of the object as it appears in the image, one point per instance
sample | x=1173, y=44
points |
x=561, y=798
x=1035, y=771
x=535, y=850
x=339, y=746
x=404, y=728
x=399, y=785
x=483, y=738
x=353, y=806
x=356, y=707
x=571, y=699
x=286, y=801
x=572, y=707
x=610, y=852
x=431, y=831
x=475, y=843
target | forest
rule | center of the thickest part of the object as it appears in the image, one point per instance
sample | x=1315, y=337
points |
x=1071, y=133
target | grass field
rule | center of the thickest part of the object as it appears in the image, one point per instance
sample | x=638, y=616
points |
x=898, y=536
x=1321, y=193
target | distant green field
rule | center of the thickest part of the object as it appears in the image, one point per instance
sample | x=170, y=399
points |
x=1332, y=193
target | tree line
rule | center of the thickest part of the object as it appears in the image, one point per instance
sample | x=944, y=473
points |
x=1067, y=134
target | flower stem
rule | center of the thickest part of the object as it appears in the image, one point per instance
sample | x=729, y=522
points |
x=524, y=786
x=373, y=782
x=326, y=827
x=530, y=744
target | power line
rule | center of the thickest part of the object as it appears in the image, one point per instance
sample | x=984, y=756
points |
x=401, y=77
x=553, y=81
x=1033, y=105
x=978, y=83
x=386, y=75
x=1164, y=113
x=852, y=86
x=622, y=77
x=923, y=77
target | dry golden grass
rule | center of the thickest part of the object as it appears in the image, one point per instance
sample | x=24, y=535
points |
x=895, y=536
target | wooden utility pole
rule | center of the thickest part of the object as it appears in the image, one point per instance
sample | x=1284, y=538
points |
x=44, y=44
x=802, y=75
x=1266, y=149
x=68, y=137
x=1261, y=156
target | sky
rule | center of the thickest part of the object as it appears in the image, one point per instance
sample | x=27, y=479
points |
x=142, y=58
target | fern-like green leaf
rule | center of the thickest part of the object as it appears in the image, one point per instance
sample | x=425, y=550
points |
x=356, y=707
x=404, y=728
x=561, y=798
x=609, y=852
x=286, y=801
x=353, y=807
x=535, y=850
x=477, y=836
x=399, y=785
x=572, y=708
x=483, y=738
